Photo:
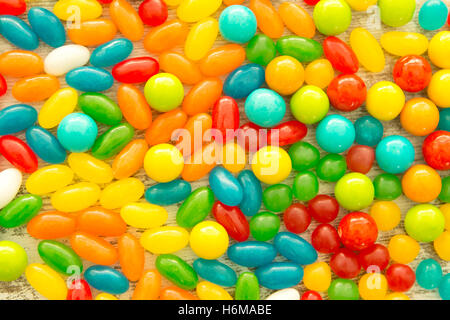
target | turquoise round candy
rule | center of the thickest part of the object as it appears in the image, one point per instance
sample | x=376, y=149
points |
x=335, y=134
x=265, y=107
x=45, y=145
x=279, y=275
x=16, y=118
x=106, y=279
x=433, y=15
x=89, y=79
x=429, y=274
x=77, y=132
x=47, y=26
x=111, y=53
x=237, y=24
x=215, y=271
x=369, y=131
x=244, y=80
x=395, y=154
x=16, y=31
x=166, y=194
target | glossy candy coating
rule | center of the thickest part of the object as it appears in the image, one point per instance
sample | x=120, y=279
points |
x=386, y=214
x=252, y=193
x=99, y=221
x=148, y=287
x=387, y=187
x=49, y=179
x=424, y=222
x=310, y=104
x=403, y=249
x=106, y=279
x=166, y=36
x=385, y=100
x=367, y=49
x=237, y=24
x=87, y=9
x=202, y=96
x=347, y=92
x=360, y=158
x=10, y=182
x=59, y=257
x=421, y=183
x=46, y=281
x=295, y=248
x=195, y=208
x=89, y=79
x=135, y=70
x=332, y=167
x=404, y=43
x=340, y=55
x=165, y=194
x=269, y=20
x=332, y=17
x=297, y=19
x=261, y=49
x=153, y=12
x=284, y=75
x=429, y=274
x=210, y=291
x=247, y=287
x=354, y=191
x=306, y=186
x=208, y=240
x=343, y=289
x=177, y=271
x=277, y=198
x=233, y=220
x=369, y=131
x=222, y=60
x=302, y=49
x=412, y=73
x=264, y=226
x=437, y=49
x=195, y=10
x=335, y=134
x=16, y=118
x=35, y=88
x=215, y=272
x=279, y=275
x=13, y=7
x=244, y=80
x=369, y=291
x=251, y=253
x=59, y=105
x=395, y=154
x=296, y=218
x=271, y=165
x=435, y=150
x=100, y=108
x=76, y=197
x=111, y=53
x=77, y=132
x=18, y=153
x=13, y=260
x=317, y=276
x=126, y=19
x=18, y=32
x=396, y=13
x=45, y=145
x=19, y=211
x=164, y=126
x=51, y=225
x=325, y=239
x=433, y=14
x=131, y=256
x=112, y=141
x=93, y=32
x=164, y=240
x=93, y=248
x=121, y=192
x=11, y=63
x=47, y=26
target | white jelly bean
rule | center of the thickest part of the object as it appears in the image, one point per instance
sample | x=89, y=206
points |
x=10, y=181
x=63, y=59
x=285, y=294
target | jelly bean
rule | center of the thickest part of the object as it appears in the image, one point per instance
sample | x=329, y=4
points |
x=76, y=197
x=163, y=163
x=164, y=92
x=385, y=100
x=45, y=145
x=135, y=70
x=79, y=290
x=421, y=183
x=18, y=153
x=46, y=281
x=358, y=231
x=98, y=221
x=404, y=43
x=233, y=220
x=195, y=10
x=59, y=257
x=111, y=53
x=238, y=23
x=435, y=150
x=396, y=13
x=222, y=60
x=148, y=287
x=105, y=296
x=200, y=163
x=134, y=106
x=164, y=240
x=89, y=79
x=302, y=49
x=201, y=38
x=347, y=92
x=215, y=272
x=265, y=107
x=121, y=192
x=271, y=165
x=3, y=86
x=166, y=36
x=433, y=15
x=106, y=279
x=202, y=96
x=335, y=134
x=225, y=119
x=285, y=75
x=323, y=208
x=332, y=17
x=369, y=131
x=438, y=49
x=306, y=186
x=368, y=290
x=77, y=132
x=325, y=239
x=251, y=253
x=285, y=294
x=234, y=157
x=181, y=67
x=244, y=80
x=424, y=222
x=429, y=274
x=412, y=73
x=387, y=187
x=175, y=293
x=279, y=275
x=226, y=2
x=100, y=108
x=58, y=106
x=93, y=248
x=247, y=287
x=19, y=211
x=89, y=168
x=131, y=256
x=264, y=226
x=295, y=248
x=92, y=32
x=354, y=191
x=165, y=194
x=153, y=12
x=16, y=118
x=386, y=214
x=310, y=104
x=252, y=193
x=403, y=249
x=126, y=19
x=250, y=137
x=400, y=277
x=441, y=246
x=269, y=20
x=47, y=26
x=210, y=291
x=287, y=133
x=367, y=49
x=225, y=187
x=331, y=168
x=143, y=215
x=87, y=9
x=177, y=271
x=296, y=218
x=12, y=63
x=297, y=19
x=360, y=158
x=13, y=7
x=304, y=156
x=395, y=154
x=208, y=240
x=261, y=50
x=340, y=55
x=112, y=141
x=10, y=181
x=195, y=208
x=277, y=198
x=35, y=88
x=319, y=73
x=317, y=276
x=49, y=179
x=51, y=225
x=13, y=260
x=444, y=288
x=18, y=32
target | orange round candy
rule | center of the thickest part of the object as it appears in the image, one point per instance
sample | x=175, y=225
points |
x=175, y=293
x=126, y=19
x=130, y=159
x=93, y=32
x=202, y=96
x=421, y=183
x=269, y=21
x=164, y=126
x=285, y=75
x=131, y=256
x=193, y=137
x=52, y=225
x=94, y=249
x=222, y=60
x=134, y=106
x=297, y=19
x=20, y=63
x=99, y=221
x=148, y=287
x=35, y=88
x=166, y=36
x=180, y=66
x=419, y=116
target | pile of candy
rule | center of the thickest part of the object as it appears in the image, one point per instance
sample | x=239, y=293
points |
x=95, y=195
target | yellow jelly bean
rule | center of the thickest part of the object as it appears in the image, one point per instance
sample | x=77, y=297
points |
x=46, y=281
x=59, y=105
x=403, y=248
x=439, y=50
x=172, y=3
x=209, y=240
x=439, y=87
x=396, y=296
x=121, y=192
x=195, y=10
x=49, y=179
x=386, y=214
x=72, y=10
x=76, y=197
x=271, y=164
x=442, y=246
x=210, y=291
x=361, y=5
x=317, y=276
x=163, y=162
x=105, y=296
x=445, y=209
x=143, y=215
x=89, y=168
x=234, y=157
x=319, y=73
x=367, y=49
x=385, y=100
x=404, y=43
x=165, y=239
x=201, y=38
x=373, y=286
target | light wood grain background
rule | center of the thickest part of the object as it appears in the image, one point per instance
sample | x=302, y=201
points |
x=20, y=289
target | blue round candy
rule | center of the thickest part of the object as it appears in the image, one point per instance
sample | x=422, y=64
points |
x=369, y=131
x=16, y=31
x=45, y=145
x=111, y=53
x=265, y=107
x=77, y=132
x=279, y=275
x=444, y=119
x=237, y=24
x=89, y=79
x=395, y=154
x=335, y=133
x=433, y=15
x=444, y=287
x=429, y=274
x=106, y=279
x=47, y=26
x=225, y=186
x=244, y=80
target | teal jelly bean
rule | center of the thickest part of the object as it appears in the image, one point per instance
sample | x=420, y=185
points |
x=77, y=132
x=261, y=50
x=252, y=253
x=279, y=275
x=19, y=211
x=295, y=248
x=237, y=24
x=252, y=193
x=304, y=156
x=247, y=287
x=433, y=15
x=225, y=186
x=106, y=279
x=396, y=13
x=18, y=32
x=444, y=196
x=387, y=187
x=16, y=118
x=343, y=289
x=306, y=186
x=429, y=274
x=165, y=194
x=302, y=49
x=216, y=272
x=264, y=226
x=112, y=141
x=60, y=257
x=45, y=145
x=111, y=53
x=444, y=287
x=176, y=270
x=195, y=208
x=47, y=26
x=332, y=17
x=277, y=198
x=89, y=79
x=100, y=108
x=331, y=167
x=244, y=80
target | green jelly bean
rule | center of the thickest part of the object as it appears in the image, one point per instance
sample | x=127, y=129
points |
x=247, y=287
x=306, y=186
x=277, y=198
x=112, y=141
x=343, y=289
x=195, y=208
x=387, y=187
x=304, y=156
x=331, y=167
x=396, y=13
x=176, y=270
x=302, y=49
x=100, y=108
x=20, y=211
x=444, y=196
x=261, y=50
x=264, y=226
x=60, y=257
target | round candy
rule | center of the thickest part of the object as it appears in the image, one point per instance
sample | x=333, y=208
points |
x=385, y=100
x=264, y=226
x=285, y=75
x=439, y=85
x=403, y=249
x=419, y=116
x=325, y=239
x=387, y=187
x=317, y=276
x=13, y=261
x=421, y=183
x=332, y=167
x=396, y=13
x=304, y=156
x=335, y=134
x=271, y=164
x=424, y=222
x=429, y=274
x=310, y=104
x=297, y=218
x=368, y=290
x=332, y=17
x=77, y=132
x=323, y=208
x=237, y=24
x=444, y=287
x=319, y=73
x=347, y=92
x=436, y=150
x=444, y=196
x=354, y=191
x=374, y=258
x=261, y=49
x=163, y=162
x=164, y=92
x=277, y=198
x=386, y=214
x=439, y=49
x=265, y=108
x=433, y=15
x=412, y=73
x=442, y=246
x=444, y=120
x=360, y=159
x=358, y=231
x=400, y=277
x=209, y=240
x=395, y=154
x=369, y=131
x=343, y=289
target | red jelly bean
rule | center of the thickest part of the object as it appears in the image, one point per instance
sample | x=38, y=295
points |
x=325, y=239
x=287, y=133
x=225, y=118
x=374, y=258
x=153, y=12
x=311, y=3
x=105, y=1
x=18, y=153
x=3, y=85
x=360, y=159
x=358, y=231
x=135, y=70
x=323, y=208
x=311, y=295
x=345, y=264
x=250, y=137
x=412, y=73
x=347, y=92
x=400, y=277
x=297, y=218
x=233, y=220
x=436, y=150
x=79, y=290
x=12, y=7
x=340, y=55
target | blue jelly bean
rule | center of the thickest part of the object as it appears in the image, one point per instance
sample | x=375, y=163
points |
x=429, y=274
x=279, y=275
x=18, y=32
x=226, y=187
x=252, y=253
x=395, y=154
x=106, y=279
x=444, y=119
x=244, y=80
x=215, y=272
x=444, y=287
x=237, y=24
x=111, y=53
x=45, y=145
x=369, y=131
x=77, y=132
x=433, y=15
x=16, y=118
x=335, y=133
x=295, y=248
x=165, y=194
x=252, y=193
x=47, y=26
x=89, y=79
x=265, y=107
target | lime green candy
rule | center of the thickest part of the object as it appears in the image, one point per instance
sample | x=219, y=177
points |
x=164, y=92
x=13, y=261
x=277, y=198
x=396, y=13
x=424, y=222
x=332, y=17
x=343, y=289
x=247, y=287
x=264, y=226
x=354, y=191
x=306, y=186
x=310, y=104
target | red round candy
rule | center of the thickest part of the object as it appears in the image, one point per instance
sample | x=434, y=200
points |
x=3, y=85
x=323, y=208
x=412, y=73
x=12, y=7
x=345, y=264
x=225, y=118
x=287, y=133
x=360, y=159
x=135, y=70
x=374, y=258
x=311, y=295
x=250, y=137
x=153, y=12
x=233, y=220
x=297, y=218
x=18, y=153
x=436, y=150
x=79, y=290
x=325, y=239
x=358, y=231
x=347, y=92
x=400, y=277
x=340, y=55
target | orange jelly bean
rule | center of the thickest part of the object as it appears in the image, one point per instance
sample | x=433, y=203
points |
x=99, y=221
x=177, y=64
x=131, y=256
x=20, y=63
x=134, y=107
x=222, y=60
x=232, y=2
x=94, y=249
x=148, y=287
x=126, y=19
x=175, y=293
x=200, y=163
x=164, y=125
x=202, y=96
x=35, y=88
x=166, y=36
x=52, y=225
x=297, y=19
x=130, y=159
x=269, y=21
x=200, y=121
x=93, y=32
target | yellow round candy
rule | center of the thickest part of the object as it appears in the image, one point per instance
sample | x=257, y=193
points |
x=361, y=5
x=89, y=168
x=271, y=164
x=76, y=197
x=404, y=43
x=121, y=192
x=319, y=73
x=396, y=296
x=442, y=246
x=59, y=105
x=201, y=38
x=385, y=100
x=373, y=286
x=210, y=291
x=233, y=157
x=49, y=179
x=439, y=50
x=105, y=296
x=403, y=248
x=445, y=209
x=367, y=49
x=163, y=162
x=386, y=214
x=317, y=276
x=72, y=10
x=285, y=75
x=46, y=281
x=165, y=239
x=439, y=87
x=209, y=240
x=143, y=215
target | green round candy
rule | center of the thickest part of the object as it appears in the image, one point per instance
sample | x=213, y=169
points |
x=112, y=141
x=424, y=222
x=100, y=108
x=332, y=167
x=310, y=104
x=60, y=257
x=387, y=187
x=343, y=289
x=261, y=50
x=13, y=261
x=264, y=226
x=164, y=92
x=195, y=208
x=444, y=196
x=302, y=49
x=354, y=191
x=332, y=17
x=247, y=287
x=304, y=156
x=306, y=186
x=19, y=211
x=177, y=271
x=396, y=13
x=277, y=198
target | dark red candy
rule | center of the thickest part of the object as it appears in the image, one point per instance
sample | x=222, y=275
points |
x=436, y=150
x=311, y=295
x=360, y=159
x=374, y=258
x=135, y=70
x=12, y=7
x=287, y=133
x=297, y=218
x=225, y=118
x=3, y=85
x=251, y=137
x=18, y=153
x=358, y=231
x=412, y=73
x=347, y=92
x=325, y=239
x=79, y=290
x=323, y=208
x=345, y=264
x=340, y=55
x=400, y=277
x=233, y=220
x=153, y=12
